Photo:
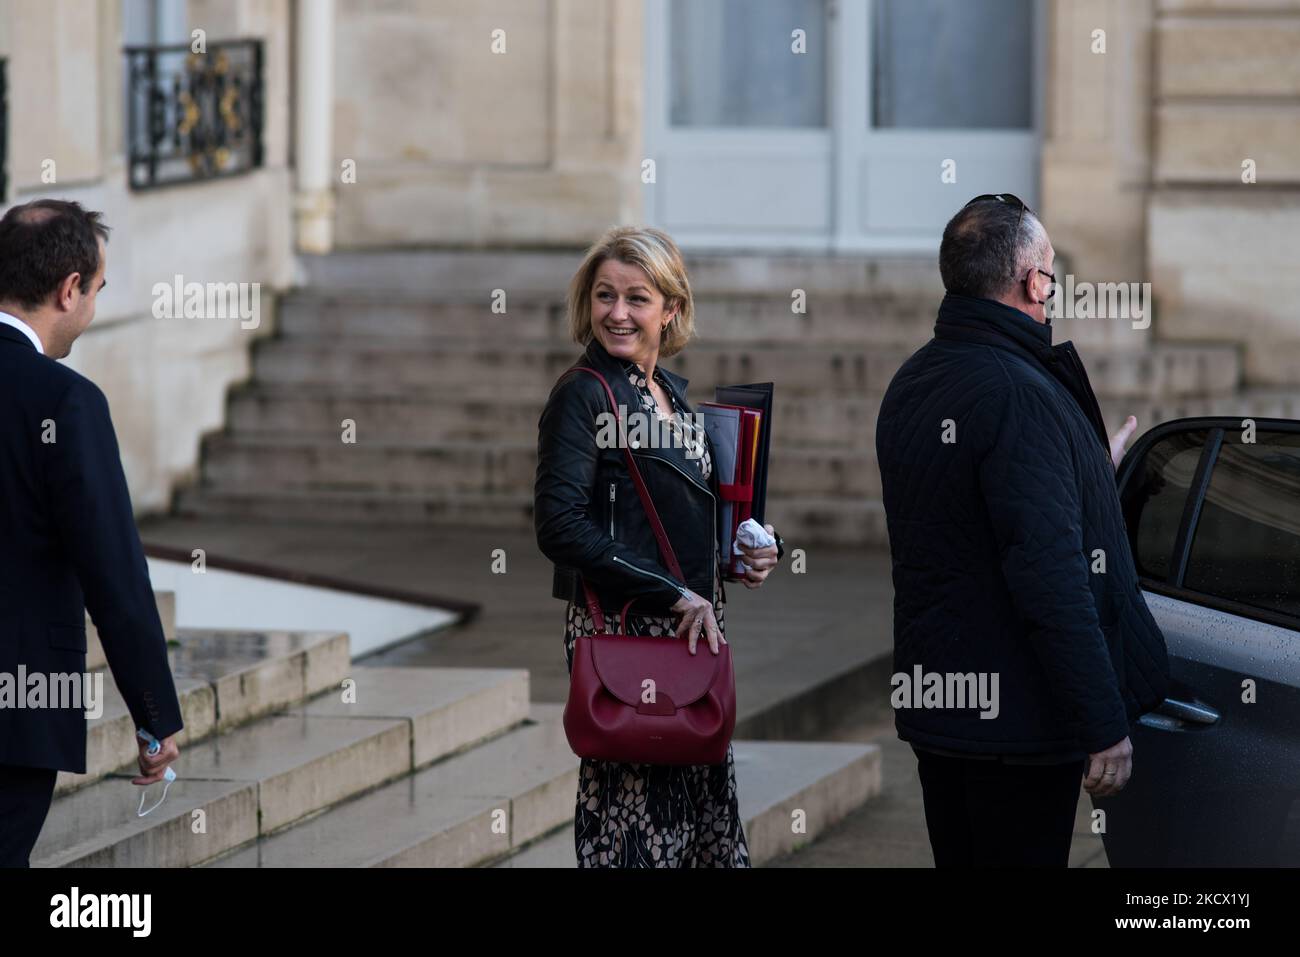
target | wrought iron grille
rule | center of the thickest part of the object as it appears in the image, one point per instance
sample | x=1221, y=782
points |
x=194, y=116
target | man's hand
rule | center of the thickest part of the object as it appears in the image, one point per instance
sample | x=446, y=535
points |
x=1109, y=770
x=153, y=766
x=1120, y=439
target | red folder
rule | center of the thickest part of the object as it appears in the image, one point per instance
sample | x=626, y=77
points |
x=738, y=495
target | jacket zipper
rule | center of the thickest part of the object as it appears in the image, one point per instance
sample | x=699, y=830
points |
x=667, y=581
x=713, y=514
x=612, y=486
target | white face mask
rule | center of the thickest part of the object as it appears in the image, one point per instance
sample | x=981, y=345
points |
x=168, y=776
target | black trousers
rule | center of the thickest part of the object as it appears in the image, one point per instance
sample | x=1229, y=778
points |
x=983, y=813
x=25, y=795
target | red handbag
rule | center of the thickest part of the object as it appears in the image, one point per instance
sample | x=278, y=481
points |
x=642, y=699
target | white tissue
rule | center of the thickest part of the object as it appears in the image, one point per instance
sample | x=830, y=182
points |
x=752, y=535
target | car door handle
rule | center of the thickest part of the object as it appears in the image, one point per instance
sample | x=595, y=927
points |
x=1174, y=713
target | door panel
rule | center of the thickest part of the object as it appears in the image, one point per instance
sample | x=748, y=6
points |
x=1222, y=793
x=1214, y=518
x=738, y=123
x=840, y=144
x=732, y=64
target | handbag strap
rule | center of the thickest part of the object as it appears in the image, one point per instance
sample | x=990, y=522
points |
x=643, y=493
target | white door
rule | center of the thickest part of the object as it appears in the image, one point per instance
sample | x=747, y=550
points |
x=837, y=125
x=737, y=124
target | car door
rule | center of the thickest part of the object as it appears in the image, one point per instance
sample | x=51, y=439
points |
x=1213, y=513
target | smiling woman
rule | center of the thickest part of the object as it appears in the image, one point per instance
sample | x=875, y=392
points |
x=630, y=304
x=632, y=296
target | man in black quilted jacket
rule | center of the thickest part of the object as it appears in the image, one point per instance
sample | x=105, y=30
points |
x=1023, y=647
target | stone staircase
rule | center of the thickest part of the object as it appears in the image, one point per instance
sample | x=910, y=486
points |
x=414, y=767
x=445, y=394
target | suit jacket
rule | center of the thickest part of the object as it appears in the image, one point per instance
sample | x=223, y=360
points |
x=68, y=543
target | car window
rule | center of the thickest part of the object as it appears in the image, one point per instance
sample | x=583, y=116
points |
x=1246, y=547
x=1154, y=497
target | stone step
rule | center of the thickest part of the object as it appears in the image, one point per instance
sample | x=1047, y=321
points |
x=1164, y=372
x=166, y=601
x=805, y=522
x=471, y=467
x=775, y=780
x=827, y=521
x=871, y=320
x=842, y=421
x=424, y=416
x=307, y=315
x=828, y=318
x=259, y=778
x=449, y=709
x=486, y=371
x=354, y=508
x=1252, y=403
x=478, y=806
x=792, y=791
x=882, y=295
x=543, y=276
x=223, y=679
x=466, y=810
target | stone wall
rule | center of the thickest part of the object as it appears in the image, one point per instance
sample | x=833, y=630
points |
x=1096, y=154
x=1223, y=252
x=166, y=379
x=1143, y=167
x=456, y=145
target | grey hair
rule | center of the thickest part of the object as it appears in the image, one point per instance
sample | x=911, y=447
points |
x=983, y=254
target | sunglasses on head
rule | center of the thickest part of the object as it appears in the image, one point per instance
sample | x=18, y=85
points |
x=1009, y=199
x=1016, y=202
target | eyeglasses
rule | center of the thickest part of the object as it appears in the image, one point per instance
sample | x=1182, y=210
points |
x=1051, y=294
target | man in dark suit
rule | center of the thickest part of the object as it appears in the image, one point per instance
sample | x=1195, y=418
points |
x=68, y=540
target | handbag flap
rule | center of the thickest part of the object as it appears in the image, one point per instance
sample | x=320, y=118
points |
x=624, y=662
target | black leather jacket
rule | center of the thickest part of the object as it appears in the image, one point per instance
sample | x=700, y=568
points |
x=587, y=514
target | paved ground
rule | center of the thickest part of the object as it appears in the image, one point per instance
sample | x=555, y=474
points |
x=795, y=632
x=889, y=831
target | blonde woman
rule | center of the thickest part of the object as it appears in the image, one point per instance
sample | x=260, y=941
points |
x=630, y=305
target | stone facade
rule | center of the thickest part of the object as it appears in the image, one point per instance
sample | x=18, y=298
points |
x=166, y=379
x=458, y=145
x=517, y=124
x=1143, y=167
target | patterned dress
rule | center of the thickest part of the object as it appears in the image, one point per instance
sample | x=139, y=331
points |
x=653, y=815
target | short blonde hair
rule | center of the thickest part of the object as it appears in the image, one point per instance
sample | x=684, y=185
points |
x=654, y=252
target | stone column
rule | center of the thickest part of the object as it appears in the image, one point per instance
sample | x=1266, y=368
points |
x=314, y=77
x=1096, y=157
